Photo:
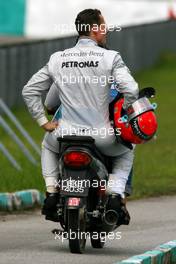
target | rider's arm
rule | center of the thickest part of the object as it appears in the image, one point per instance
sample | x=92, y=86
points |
x=32, y=94
x=126, y=83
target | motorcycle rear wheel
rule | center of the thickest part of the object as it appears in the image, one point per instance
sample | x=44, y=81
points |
x=77, y=230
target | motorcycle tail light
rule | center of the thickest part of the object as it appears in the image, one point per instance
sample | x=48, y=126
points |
x=77, y=159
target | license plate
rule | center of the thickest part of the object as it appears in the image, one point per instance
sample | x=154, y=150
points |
x=73, y=201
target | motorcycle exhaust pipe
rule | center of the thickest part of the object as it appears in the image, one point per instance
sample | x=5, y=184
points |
x=111, y=217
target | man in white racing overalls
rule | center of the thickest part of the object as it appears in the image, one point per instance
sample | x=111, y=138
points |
x=53, y=107
x=83, y=76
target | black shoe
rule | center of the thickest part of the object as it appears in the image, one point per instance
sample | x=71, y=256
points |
x=49, y=208
x=115, y=203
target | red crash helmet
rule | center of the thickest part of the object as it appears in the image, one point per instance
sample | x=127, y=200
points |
x=141, y=123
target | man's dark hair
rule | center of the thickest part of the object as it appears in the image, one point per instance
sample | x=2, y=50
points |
x=86, y=19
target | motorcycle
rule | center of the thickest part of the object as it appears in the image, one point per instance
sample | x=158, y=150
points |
x=82, y=200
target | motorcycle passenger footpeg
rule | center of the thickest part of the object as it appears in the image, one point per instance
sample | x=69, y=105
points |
x=95, y=213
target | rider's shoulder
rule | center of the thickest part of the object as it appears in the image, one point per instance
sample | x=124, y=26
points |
x=55, y=55
x=112, y=54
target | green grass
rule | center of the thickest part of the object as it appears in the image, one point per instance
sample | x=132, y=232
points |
x=155, y=162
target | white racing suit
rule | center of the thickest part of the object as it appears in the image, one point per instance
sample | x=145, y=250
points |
x=83, y=76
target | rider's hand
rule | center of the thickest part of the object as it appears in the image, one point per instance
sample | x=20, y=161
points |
x=50, y=126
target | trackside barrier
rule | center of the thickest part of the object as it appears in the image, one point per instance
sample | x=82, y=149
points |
x=21, y=200
x=18, y=141
x=12, y=160
x=163, y=254
x=13, y=118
